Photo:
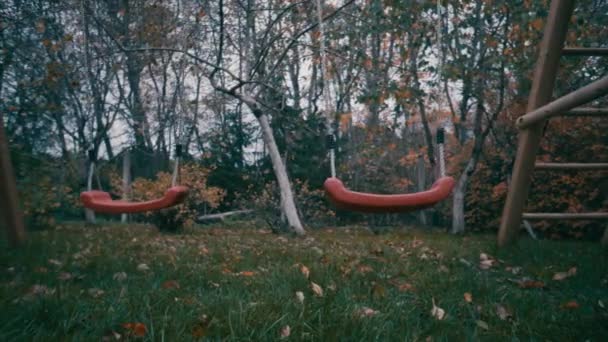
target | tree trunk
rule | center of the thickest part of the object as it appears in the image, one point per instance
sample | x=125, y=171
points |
x=288, y=206
x=458, y=224
x=605, y=238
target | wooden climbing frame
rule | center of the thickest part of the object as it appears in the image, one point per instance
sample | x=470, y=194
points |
x=540, y=109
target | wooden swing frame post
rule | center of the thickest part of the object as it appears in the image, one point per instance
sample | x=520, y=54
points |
x=529, y=139
x=9, y=203
x=540, y=109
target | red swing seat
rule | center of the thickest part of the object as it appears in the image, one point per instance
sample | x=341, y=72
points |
x=101, y=202
x=376, y=203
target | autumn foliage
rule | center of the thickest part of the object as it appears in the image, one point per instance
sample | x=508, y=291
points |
x=201, y=197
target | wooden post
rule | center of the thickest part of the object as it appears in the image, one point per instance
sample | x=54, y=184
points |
x=88, y=213
x=529, y=139
x=9, y=205
x=421, y=184
x=126, y=181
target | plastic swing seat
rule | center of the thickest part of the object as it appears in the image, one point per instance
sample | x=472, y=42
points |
x=376, y=203
x=100, y=201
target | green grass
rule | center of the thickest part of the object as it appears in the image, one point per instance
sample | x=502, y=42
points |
x=355, y=268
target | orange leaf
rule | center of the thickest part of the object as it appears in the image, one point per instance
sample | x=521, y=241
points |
x=571, y=305
x=468, y=297
x=531, y=284
x=170, y=284
x=537, y=24
x=136, y=329
x=247, y=273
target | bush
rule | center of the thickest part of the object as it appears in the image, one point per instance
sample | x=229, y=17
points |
x=200, y=198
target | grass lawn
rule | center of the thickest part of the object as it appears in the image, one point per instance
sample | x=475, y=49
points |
x=236, y=282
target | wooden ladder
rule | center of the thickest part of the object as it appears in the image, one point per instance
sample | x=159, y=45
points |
x=540, y=108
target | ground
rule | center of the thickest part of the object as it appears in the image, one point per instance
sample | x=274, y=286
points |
x=238, y=282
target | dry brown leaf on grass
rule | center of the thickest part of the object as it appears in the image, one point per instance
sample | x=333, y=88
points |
x=143, y=267
x=366, y=312
x=201, y=327
x=65, y=276
x=468, y=297
x=526, y=283
x=246, y=273
x=363, y=269
x=316, y=289
x=485, y=261
x=95, y=292
x=513, y=269
x=300, y=296
x=305, y=271
x=55, y=262
x=503, y=313
x=135, y=329
x=563, y=275
x=111, y=336
x=170, y=284
x=437, y=312
x=37, y=291
x=285, y=331
x=571, y=305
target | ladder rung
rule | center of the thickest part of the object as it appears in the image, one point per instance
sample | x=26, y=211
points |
x=587, y=112
x=565, y=216
x=580, y=51
x=571, y=166
x=565, y=103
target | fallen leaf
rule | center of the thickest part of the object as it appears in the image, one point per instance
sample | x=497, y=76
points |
x=136, y=329
x=514, y=270
x=601, y=304
x=437, y=312
x=405, y=287
x=364, y=269
x=200, y=329
x=503, y=313
x=300, y=296
x=55, y=262
x=38, y=290
x=468, y=297
x=316, y=289
x=483, y=325
x=120, y=276
x=285, y=331
x=111, y=336
x=571, y=305
x=531, y=284
x=416, y=243
x=247, y=273
x=366, y=312
x=143, y=267
x=64, y=276
x=95, y=292
x=305, y=271
x=563, y=275
x=170, y=284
